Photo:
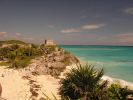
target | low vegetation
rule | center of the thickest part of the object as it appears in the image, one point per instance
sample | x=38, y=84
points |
x=12, y=42
x=18, y=54
x=81, y=83
x=84, y=83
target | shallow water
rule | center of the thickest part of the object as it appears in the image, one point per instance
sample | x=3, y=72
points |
x=117, y=61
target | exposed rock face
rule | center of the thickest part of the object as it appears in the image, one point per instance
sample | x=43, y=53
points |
x=51, y=64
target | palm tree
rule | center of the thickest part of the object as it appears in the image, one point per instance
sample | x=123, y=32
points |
x=83, y=82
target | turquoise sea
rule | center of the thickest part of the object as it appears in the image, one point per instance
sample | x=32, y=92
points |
x=117, y=61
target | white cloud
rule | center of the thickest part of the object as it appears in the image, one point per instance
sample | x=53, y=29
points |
x=71, y=30
x=3, y=34
x=92, y=26
x=125, y=35
x=124, y=38
x=129, y=10
x=83, y=28
x=18, y=34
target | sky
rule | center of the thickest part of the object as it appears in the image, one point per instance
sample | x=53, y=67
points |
x=70, y=22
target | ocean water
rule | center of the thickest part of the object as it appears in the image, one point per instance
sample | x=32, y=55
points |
x=117, y=61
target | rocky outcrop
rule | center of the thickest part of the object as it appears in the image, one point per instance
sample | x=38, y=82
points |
x=51, y=64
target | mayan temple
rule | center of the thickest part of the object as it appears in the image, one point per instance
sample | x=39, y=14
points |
x=49, y=42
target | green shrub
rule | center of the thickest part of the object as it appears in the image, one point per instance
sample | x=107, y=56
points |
x=20, y=63
x=48, y=48
x=4, y=64
x=14, y=46
x=83, y=82
x=66, y=52
x=116, y=92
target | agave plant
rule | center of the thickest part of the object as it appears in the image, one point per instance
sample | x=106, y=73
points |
x=83, y=82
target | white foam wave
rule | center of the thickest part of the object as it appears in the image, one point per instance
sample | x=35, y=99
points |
x=111, y=80
x=121, y=82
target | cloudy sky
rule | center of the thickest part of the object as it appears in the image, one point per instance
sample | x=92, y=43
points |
x=87, y=22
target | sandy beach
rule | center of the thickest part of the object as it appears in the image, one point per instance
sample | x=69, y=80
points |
x=16, y=87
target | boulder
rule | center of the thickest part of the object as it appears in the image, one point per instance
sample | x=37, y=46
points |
x=58, y=65
x=41, y=70
x=59, y=58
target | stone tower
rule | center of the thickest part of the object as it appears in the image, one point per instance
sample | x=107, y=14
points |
x=49, y=42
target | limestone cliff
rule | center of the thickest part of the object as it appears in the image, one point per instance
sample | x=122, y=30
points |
x=35, y=59
x=51, y=64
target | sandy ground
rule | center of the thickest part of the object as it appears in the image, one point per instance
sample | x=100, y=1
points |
x=15, y=87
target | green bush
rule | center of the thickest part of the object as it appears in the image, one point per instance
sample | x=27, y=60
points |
x=83, y=82
x=14, y=46
x=66, y=52
x=49, y=49
x=20, y=63
x=116, y=92
x=19, y=56
x=4, y=64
